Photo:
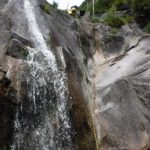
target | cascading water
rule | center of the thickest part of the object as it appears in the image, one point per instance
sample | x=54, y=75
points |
x=42, y=121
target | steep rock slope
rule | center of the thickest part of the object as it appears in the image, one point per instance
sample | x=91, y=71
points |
x=107, y=77
x=62, y=34
x=122, y=91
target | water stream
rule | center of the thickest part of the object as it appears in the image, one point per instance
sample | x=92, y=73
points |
x=42, y=121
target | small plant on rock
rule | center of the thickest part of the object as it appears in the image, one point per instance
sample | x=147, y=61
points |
x=147, y=28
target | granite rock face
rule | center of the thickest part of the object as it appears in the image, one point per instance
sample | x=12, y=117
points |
x=9, y=76
x=107, y=77
x=66, y=33
x=122, y=95
x=62, y=34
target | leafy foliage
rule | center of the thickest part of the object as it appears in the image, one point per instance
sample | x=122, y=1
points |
x=141, y=9
x=134, y=10
x=113, y=21
x=106, y=11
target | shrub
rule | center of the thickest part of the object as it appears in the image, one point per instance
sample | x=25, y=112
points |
x=101, y=6
x=141, y=9
x=95, y=19
x=119, y=3
x=113, y=21
x=106, y=12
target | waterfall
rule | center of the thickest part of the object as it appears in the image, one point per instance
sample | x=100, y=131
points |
x=42, y=121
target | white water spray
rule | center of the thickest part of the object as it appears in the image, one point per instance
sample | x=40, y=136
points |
x=46, y=123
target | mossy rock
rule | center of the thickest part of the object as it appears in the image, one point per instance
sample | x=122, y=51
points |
x=147, y=28
x=47, y=7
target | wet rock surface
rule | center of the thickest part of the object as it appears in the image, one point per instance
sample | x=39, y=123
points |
x=59, y=30
x=107, y=77
x=3, y=3
x=17, y=50
x=9, y=88
x=77, y=49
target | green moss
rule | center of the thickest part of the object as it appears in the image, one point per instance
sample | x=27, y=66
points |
x=147, y=28
x=128, y=19
x=48, y=7
x=114, y=31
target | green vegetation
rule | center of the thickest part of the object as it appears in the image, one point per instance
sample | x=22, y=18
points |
x=103, y=6
x=113, y=20
x=114, y=31
x=95, y=19
x=141, y=5
x=118, y=12
x=110, y=12
x=120, y=3
x=147, y=28
x=48, y=7
x=141, y=9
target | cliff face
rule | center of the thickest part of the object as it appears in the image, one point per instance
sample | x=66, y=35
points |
x=10, y=70
x=24, y=123
x=107, y=78
x=122, y=91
